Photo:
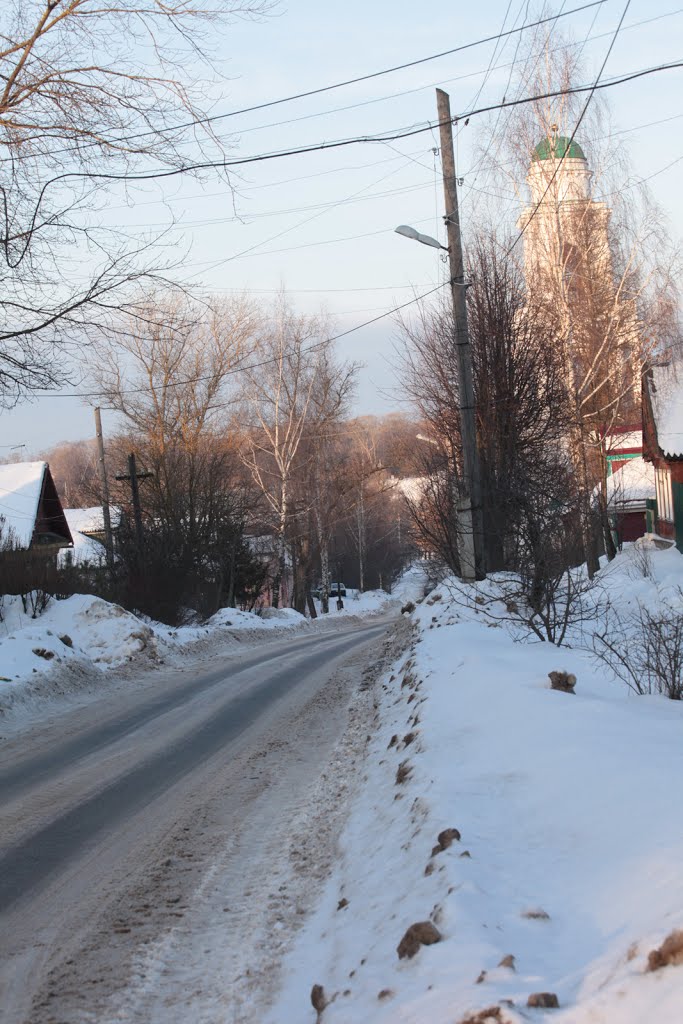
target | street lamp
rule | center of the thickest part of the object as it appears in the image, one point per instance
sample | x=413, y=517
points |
x=408, y=232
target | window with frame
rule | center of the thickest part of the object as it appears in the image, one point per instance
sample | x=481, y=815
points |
x=664, y=498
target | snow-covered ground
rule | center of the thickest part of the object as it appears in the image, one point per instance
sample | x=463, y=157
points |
x=564, y=873
x=86, y=636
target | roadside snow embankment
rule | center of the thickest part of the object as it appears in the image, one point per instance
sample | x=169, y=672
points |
x=533, y=835
x=72, y=642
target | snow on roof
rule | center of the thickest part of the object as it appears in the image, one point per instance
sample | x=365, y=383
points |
x=632, y=482
x=90, y=520
x=20, y=487
x=623, y=441
x=666, y=396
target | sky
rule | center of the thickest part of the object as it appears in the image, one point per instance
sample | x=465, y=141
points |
x=321, y=225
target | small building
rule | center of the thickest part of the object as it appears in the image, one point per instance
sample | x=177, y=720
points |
x=31, y=514
x=663, y=444
x=630, y=496
x=87, y=529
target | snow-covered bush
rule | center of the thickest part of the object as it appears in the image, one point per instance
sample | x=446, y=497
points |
x=644, y=649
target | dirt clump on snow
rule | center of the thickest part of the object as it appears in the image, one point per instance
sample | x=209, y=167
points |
x=508, y=961
x=423, y=933
x=491, y=1015
x=386, y=993
x=536, y=914
x=445, y=839
x=43, y=652
x=563, y=681
x=403, y=772
x=543, y=1000
x=408, y=608
x=318, y=1000
x=670, y=952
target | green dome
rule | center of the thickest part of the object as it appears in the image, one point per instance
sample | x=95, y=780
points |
x=558, y=147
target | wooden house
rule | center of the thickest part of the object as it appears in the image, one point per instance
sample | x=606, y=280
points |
x=31, y=514
x=663, y=445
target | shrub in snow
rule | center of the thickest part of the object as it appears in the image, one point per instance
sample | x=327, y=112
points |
x=644, y=649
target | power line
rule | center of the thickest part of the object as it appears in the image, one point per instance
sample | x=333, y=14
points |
x=253, y=366
x=390, y=136
x=212, y=119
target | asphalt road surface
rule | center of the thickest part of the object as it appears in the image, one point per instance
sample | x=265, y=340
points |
x=111, y=814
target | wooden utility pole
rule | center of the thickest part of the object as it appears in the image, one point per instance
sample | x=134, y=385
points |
x=102, y=470
x=134, y=477
x=469, y=504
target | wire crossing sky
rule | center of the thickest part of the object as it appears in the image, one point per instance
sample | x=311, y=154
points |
x=319, y=220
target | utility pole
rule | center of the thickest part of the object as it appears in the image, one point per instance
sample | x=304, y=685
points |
x=134, y=477
x=102, y=470
x=469, y=504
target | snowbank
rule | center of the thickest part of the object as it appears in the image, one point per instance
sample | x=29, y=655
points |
x=79, y=628
x=567, y=869
x=86, y=635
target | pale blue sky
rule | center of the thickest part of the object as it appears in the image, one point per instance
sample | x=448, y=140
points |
x=295, y=213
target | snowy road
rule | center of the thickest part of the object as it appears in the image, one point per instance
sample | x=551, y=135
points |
x=155, y=841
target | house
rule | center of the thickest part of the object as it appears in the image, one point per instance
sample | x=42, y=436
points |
x=663, y=444
x=630, y=497
x=87, y=529
x=31, y=514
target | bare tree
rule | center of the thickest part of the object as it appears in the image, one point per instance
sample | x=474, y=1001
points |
x=521, y=407
x=293, y=395
x=90, y=91
x=172, y=386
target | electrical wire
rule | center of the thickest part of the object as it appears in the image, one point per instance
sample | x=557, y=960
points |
x=212, y=119
x=252, y=366
x=391, y=136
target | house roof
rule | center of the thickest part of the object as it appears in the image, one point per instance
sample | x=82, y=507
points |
x=632, y=483
x=83, y=521
x=21, y=484
x=29, y=504
x=91, y=520
x=666, y=399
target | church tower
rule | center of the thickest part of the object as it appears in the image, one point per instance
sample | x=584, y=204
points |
x=569, y=269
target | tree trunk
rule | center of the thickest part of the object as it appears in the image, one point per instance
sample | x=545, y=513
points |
x=324, y=576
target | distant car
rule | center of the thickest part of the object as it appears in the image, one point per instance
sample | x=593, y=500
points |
x=336, y=590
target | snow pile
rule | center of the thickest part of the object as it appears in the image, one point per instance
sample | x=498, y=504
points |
x=80, y=628
x=563, y=873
